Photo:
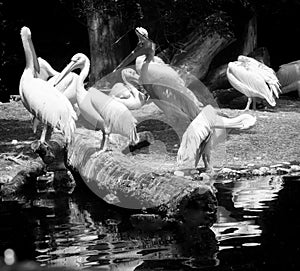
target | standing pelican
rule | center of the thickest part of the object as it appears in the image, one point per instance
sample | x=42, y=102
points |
x=162, y=83
x=289, y=77
x=127, y=93
x=104, y=112
x=200, y=137
x=254, y=79
x=41, y=99
x=67, y=86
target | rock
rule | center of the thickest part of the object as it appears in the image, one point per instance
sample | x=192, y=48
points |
x=276, y=165
x=264, y=170
x=205, y=176
x=272, y=171
x=257, y=172
x=295, y=168
x=283, y=171
x=178, y=173
x=225, y=170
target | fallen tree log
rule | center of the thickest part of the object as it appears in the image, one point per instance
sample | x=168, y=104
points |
x=24, y=178
x=137, y=180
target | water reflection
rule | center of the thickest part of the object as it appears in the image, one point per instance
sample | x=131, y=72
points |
x=240, y=205
x=256, y=228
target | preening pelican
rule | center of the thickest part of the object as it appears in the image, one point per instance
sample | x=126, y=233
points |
x=202, y=135
x=254, y=79
x=162, y=83
x=67, y=86
x=289, y=77
x=41, y=99
x=101, y=110
x=126, y=93
x=46, y=70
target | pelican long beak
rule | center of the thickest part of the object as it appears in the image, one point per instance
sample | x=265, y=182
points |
x=70, y=67
x=144, y=47
x=36, y=64
x=139, y=50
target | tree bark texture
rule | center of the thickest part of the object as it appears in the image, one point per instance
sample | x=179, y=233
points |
x=200, y=47
x=216, y=77
x=106, y=53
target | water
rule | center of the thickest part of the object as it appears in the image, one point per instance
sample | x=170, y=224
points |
x=257, y=229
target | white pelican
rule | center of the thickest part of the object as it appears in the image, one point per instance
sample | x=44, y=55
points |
x=101, y=110
x=162, y=83
x=41, y=99
x=126, y=93
x=202, y=135
x=46, y=70
x=67, y=86
x=289, y=77
x=254, y=79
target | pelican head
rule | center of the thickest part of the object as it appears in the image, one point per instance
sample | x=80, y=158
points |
x=25, y=33
x=145, y=46
x=142, y=31
x=77, y=61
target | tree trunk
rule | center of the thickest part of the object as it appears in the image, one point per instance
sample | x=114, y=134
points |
x=216, y=77
x=199, y=48
x=104, y=30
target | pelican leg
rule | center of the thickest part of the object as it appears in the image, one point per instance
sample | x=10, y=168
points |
x=103, y=140
x=248, y=104
x=206, y=161
x=106, y=143
x=43, y=135
x=103, y=146
x=35, y=123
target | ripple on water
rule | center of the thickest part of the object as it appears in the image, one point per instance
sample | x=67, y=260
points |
x=82, y=233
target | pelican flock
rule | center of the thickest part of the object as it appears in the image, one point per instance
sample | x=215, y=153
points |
x=165, y=87
x=162, y=82
x=254, y=79
x=49, y=95
x=41, y=99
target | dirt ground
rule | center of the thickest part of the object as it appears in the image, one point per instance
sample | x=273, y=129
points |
x=274, y=139
x=15, y=138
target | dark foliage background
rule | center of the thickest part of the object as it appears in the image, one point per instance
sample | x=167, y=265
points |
x=59, y=27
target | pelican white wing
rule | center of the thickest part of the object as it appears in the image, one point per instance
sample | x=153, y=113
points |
x=266, y=72
x=116, y=115
x=248, y=81
x=47, y=104
x=197, y=135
